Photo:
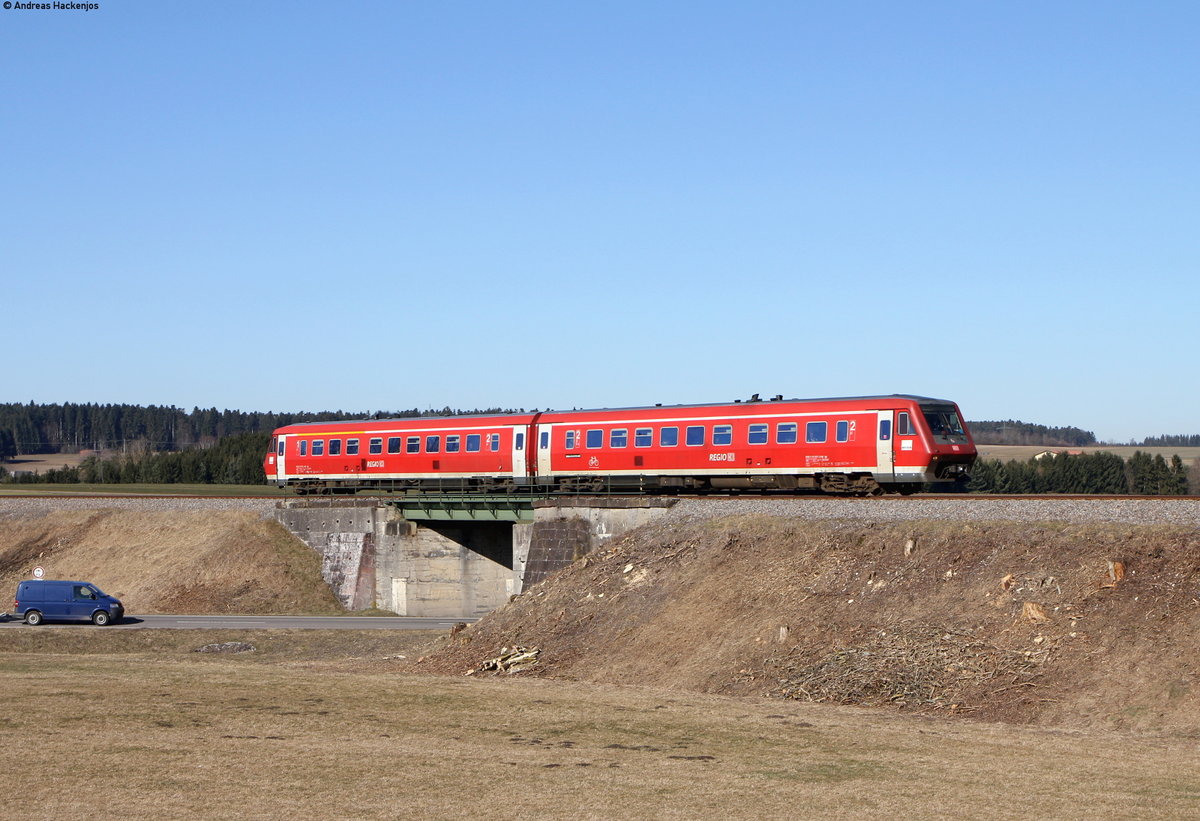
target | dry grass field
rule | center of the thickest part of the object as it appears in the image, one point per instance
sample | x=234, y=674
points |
x=1006, y=453
x=316, y=725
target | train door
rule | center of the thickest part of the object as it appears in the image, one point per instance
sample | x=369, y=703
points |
x=280, y=450
x=543, y=450
x=884, y=445
x=519, y=451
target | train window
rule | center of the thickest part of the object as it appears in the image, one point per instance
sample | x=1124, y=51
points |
x=318, y=447
x=493, y=442
x=594, y=439
x=618, y=438
x=643, y=437
x=412, y=444
x=393, y=444
x=375, y=445
x=904, y=426
x=453, y=443
x=519, y=443
x=722, y=434
x=885, y=430
x=668, y=437
x=351, y=447
x=571, y=436
x=473, y=442
x=816, y=431
x=303, y=447
x=544, y=440
x=943, y=420
x=695, y=435
x=843, y=431
x=757, y=434
x=282, y=445
x=785, y=433
x=433, y=444
x=335, y=447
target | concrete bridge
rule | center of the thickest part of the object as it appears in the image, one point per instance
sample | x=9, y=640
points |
x=454, y=556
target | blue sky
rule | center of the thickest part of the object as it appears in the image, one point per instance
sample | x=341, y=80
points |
x=384, y=205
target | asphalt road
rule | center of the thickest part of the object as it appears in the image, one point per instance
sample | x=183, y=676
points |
x=257, y=623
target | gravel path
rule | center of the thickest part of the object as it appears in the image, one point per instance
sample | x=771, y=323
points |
x=1182, y=513
x=30, y=506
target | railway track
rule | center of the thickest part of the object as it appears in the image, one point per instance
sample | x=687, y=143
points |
x=385, y=497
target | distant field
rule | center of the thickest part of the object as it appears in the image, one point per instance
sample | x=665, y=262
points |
x=1006, y=453
x=42, y=462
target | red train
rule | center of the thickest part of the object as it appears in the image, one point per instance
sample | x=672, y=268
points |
x=859, y=445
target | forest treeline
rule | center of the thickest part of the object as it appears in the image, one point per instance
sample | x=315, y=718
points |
x=1014, y=432
x=1082, y=473
x=71, y=428
x=234, y=460
x=133, y=429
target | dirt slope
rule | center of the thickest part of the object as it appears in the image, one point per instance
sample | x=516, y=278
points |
x=169, y=562
x=1051, y=624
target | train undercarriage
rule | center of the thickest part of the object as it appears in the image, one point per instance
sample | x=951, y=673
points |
x=833, y=484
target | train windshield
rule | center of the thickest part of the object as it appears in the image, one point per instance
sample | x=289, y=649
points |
x=942, y=420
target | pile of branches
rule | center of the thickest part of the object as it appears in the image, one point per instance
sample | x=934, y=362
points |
x=906, y=666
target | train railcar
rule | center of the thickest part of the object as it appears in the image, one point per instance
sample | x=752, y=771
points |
x=854, y=445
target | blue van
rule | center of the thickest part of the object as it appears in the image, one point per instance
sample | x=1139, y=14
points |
x=45, y=599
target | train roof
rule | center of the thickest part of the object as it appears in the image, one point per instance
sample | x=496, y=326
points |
x=684, y=406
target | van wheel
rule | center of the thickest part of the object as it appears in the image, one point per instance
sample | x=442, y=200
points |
x=33, y=618
x=100, y=618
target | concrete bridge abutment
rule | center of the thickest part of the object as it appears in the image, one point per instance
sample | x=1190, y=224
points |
x=373, y=556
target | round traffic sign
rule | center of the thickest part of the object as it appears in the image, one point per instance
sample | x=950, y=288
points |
x=38, y=572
